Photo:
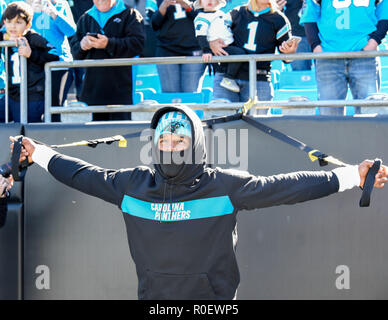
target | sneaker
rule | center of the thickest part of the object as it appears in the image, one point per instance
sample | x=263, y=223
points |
x=230, y=84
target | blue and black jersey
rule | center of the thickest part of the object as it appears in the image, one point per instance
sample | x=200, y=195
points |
x=182, y=230
x=41, y=52
x=174, y=31
x=345, y=25
x=257, y=33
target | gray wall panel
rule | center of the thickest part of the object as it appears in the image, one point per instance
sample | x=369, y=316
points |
x=9, y=253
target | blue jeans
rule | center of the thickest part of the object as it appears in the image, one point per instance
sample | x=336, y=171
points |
x=35, y=110
x=264, y=91
x=335, y=75
x=299, y=65
x=180, y=77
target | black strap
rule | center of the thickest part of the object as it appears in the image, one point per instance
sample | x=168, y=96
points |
x=287, y=139
x=18, y=169
x=369, y=183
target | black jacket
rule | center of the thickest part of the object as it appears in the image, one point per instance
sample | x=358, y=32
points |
x=41, y=52
x=182, y=231
x=109, y=85
x=174, y=31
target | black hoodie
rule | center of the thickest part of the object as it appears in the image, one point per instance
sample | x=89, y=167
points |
x=188, y=250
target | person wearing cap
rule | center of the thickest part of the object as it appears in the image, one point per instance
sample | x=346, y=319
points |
x=181, y=214
x=5, y=185
x=211, y=24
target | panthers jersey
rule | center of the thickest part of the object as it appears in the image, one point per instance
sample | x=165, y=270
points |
x=258, y=32
x=175, y=30
x=344, y=25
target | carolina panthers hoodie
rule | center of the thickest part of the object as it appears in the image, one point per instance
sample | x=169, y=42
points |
x=182, y=231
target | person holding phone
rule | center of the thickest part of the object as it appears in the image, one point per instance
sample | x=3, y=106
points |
x=258, y=28
x=109, y=30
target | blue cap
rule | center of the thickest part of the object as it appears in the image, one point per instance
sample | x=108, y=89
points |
x=173, y=123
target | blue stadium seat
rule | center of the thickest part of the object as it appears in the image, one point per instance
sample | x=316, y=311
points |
x=286, y=94
x=147, y=69
x=172, y=97
x=148, y=81
x=208, y=94
x=384, y=76
x=297, y=80
x=277, y=65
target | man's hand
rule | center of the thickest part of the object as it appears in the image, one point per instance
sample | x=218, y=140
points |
x=27, y=149
x=371, y=45
x=318, y=49
x=164, y=6
x=5, y=185
x=281, y=4
x=217, y=47
x=207, y=57
x=381, y=176
x=24, y=48
x=99, y=43
x=49, y=9
x=85, y=43
x=288, y=47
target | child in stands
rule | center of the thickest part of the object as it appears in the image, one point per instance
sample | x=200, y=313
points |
x=17, y=19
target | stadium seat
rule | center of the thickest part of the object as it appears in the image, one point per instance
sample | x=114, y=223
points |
x=172, y=97
x=384, y=76
x=286, y=94
x=277, y=65
x=297, y=80
x=208, y=94
x=147, y=69
x=147, y=82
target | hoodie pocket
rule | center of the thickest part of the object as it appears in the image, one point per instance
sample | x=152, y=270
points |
x=165, y=286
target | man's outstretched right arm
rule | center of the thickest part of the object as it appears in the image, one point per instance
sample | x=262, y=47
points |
x=106, y=184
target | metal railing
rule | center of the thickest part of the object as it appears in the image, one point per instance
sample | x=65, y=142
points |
x=23, y=82
x=251, y=59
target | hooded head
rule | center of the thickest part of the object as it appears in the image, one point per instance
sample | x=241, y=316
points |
x=178, y=146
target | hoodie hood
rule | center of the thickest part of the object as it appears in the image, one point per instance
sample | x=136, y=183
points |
x=195, y=159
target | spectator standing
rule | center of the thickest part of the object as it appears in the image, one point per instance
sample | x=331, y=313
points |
x=18, y=21
x=115, y=31
x=3, y=6
x=293, y=10
x=54, y=21
x=351, y=25
x=173, y=22
x=78, y=8
x=274, y=32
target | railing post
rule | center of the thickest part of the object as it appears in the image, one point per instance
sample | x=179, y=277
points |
x=47, y=94
x=6, y=84
x=23, y=90
x=252, y=81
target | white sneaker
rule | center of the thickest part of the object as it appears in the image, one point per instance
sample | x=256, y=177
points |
x=230, y=84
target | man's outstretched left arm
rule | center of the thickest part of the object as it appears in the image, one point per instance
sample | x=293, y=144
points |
x=252, y=192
